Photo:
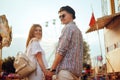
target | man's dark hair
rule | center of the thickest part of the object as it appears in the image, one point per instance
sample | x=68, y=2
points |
x=68, y=9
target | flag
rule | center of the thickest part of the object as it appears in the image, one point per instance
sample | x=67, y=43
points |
x=92, y=20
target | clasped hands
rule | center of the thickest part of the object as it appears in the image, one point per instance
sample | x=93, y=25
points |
x=48, y=74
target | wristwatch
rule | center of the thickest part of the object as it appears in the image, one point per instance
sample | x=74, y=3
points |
x=52, y=70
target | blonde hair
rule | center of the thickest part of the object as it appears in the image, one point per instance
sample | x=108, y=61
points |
x=31, y=33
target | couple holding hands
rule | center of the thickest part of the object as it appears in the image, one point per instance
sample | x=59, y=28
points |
x=67, y=64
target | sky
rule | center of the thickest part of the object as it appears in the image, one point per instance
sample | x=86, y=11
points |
x=21, y=14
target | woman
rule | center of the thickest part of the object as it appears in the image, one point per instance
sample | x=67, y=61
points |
x=36, y=53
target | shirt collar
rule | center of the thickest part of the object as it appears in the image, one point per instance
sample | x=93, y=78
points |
x=72, y=22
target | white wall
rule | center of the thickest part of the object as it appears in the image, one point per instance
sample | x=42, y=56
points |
x=112, y=43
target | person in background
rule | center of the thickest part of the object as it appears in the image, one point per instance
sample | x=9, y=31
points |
x=68, y=59
x=35, y=53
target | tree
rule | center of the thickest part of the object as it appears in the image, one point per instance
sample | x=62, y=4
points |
x=86, y=59
x=86, y=55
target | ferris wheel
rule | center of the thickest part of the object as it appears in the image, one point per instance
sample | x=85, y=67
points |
x=104, y=7
x=118, y=5
x=114, y=6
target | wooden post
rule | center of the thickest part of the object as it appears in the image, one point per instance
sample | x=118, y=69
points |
x=0, y=60
x=112, y=5
x=0, y=47
x=0, y=54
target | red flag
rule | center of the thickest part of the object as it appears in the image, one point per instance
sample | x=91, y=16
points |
x=92, y=20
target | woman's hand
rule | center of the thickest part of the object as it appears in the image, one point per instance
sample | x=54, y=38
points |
x=48, y=75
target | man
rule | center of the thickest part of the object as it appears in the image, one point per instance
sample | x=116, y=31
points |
x=68, y=59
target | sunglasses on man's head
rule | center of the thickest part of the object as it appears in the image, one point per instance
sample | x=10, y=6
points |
x=62, y=16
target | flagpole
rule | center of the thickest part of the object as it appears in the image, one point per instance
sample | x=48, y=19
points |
x=97, y=32
x=91, y=7
x=99, y=40
x=91, y=24
x=94, y=59
x=99, y=44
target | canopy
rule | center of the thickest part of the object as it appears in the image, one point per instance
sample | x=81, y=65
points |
x=108, y=21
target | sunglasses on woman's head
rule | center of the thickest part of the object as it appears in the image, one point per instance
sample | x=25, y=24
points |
x=62, y=16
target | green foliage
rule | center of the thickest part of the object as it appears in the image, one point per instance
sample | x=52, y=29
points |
x=86, y=55
x=7, y=65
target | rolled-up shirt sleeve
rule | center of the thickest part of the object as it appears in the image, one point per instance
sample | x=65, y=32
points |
x=35, y=46
x=64, y=41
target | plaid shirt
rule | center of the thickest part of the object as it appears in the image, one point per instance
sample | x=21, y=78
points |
x=70, y=46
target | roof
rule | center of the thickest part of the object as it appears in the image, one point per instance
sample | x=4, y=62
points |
x=108, y=21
